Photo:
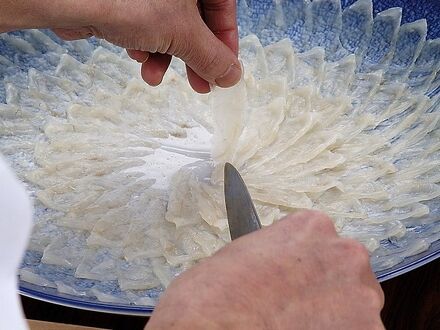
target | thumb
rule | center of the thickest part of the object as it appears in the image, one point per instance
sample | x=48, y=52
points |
x=210, y=58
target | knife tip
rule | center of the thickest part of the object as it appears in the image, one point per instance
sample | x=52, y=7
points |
x=228, y=168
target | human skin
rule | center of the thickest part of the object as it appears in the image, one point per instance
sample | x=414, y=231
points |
x=295, y=274
x=152, y=31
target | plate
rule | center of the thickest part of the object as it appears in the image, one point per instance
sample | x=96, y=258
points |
x=255, y=16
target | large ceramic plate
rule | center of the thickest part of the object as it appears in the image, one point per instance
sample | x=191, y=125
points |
x=254, y=17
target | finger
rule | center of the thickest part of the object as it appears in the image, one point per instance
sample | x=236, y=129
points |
x=207, y=56
x=221, y=17
x=200, y=85
x=73, y=34
x=138, y=55
x=153, y=70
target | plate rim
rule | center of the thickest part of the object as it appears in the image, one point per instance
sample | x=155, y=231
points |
x=132, y=310
x=93, y=306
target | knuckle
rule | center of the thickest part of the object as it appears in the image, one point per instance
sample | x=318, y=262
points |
x=372, y=297
x=294, y=221
x=314, y=221
x=354, y=249
x=353, y=255
x=319, y=219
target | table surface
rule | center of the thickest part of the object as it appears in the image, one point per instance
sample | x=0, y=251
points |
x=412, y=301
x=43, y=325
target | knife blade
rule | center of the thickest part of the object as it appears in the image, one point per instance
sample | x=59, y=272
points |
x=242, y=216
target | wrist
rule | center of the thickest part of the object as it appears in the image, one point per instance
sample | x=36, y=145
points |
x=27, y=14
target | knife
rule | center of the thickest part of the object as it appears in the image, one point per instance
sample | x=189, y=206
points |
x=242, y=216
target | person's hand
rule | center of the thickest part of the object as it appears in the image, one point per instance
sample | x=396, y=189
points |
x=296, y=273
x=202, y=33
x=154, y=30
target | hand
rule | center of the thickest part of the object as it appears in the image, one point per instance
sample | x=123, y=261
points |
x=154, y=30
x=151, y=30
x=296, y=273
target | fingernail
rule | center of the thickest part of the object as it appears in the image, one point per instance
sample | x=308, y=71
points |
x=230, y=77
